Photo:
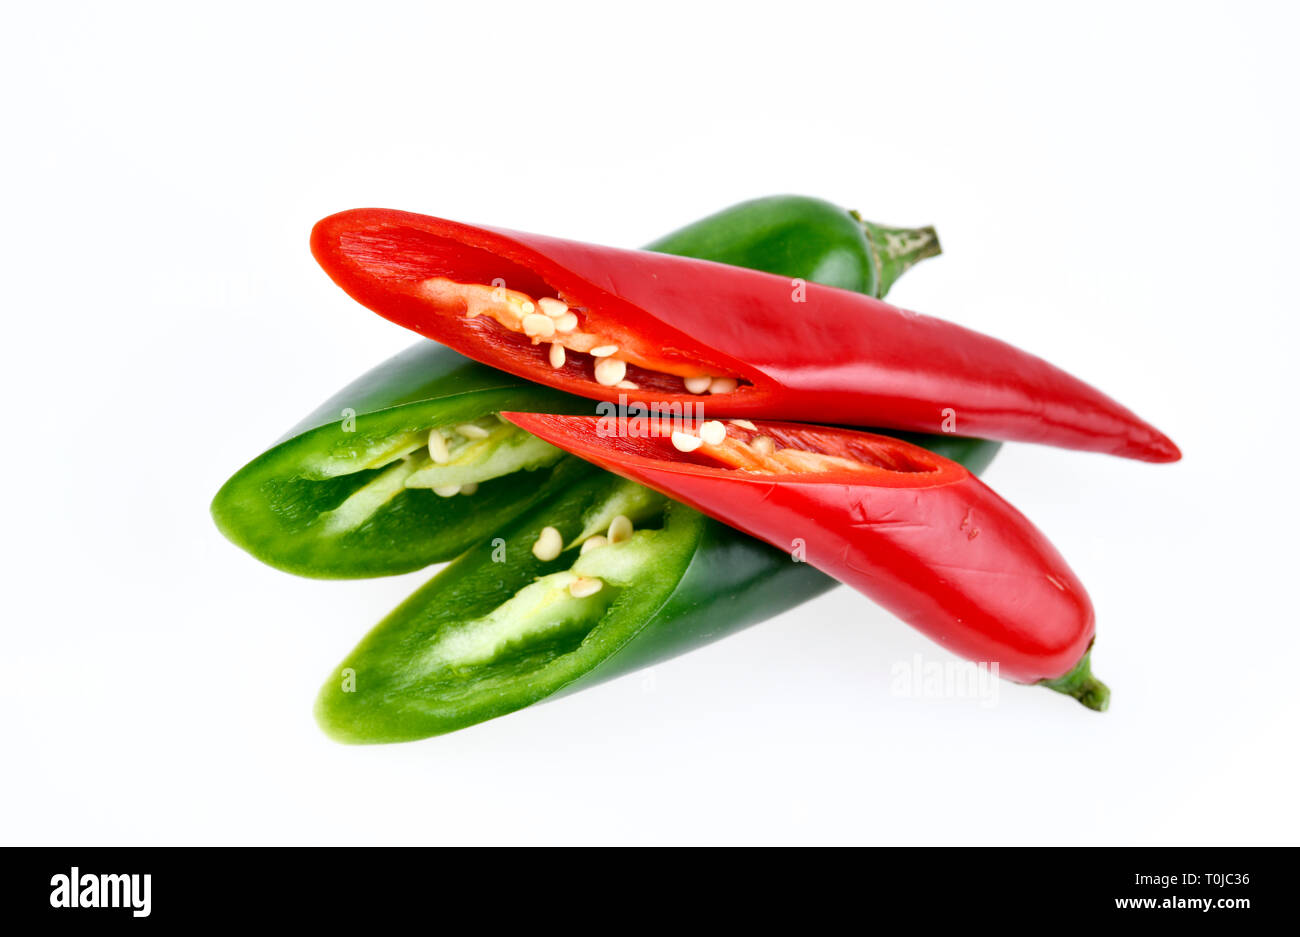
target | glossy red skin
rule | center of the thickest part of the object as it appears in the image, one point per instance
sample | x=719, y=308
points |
x=939, y=549
x=837, y=357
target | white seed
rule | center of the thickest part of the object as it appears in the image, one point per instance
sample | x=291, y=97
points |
x=685, y=442
x=627, y=385
x=581, y=588
x=553, y=307
x=697, y=385
x=446, y=491
x=537, y=325
x=713, y=432
x=763, y=445
x=438, y=447
x=609, y=371
x=723, y=385
x=472, y=431
x=549, y=544
x=620, y=529
x=566, y=323
x=520, y=309
x=556, y=355
x=744, y=424
x=469, y=488
x=592, y=542
x=603, y=351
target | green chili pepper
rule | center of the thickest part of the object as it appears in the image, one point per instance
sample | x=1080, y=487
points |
x=353, y=490
x=500, y=629
x=796, y=236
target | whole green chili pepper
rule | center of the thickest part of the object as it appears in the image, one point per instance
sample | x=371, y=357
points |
x=797, y=236
x=351, y=491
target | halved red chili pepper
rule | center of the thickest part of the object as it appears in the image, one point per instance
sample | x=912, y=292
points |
x=598, y=321
x=917, y=533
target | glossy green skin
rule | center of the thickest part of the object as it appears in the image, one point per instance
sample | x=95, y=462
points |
x=425, y=371
x=274, y=509
x=708, y=581
x=797, y=236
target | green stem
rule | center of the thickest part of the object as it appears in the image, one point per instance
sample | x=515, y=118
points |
x=1082, y=685
x=895, y=250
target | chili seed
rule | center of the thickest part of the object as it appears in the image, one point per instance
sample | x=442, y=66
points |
x=549, y=544
x=581, y=588
x=472, y=431
x=537, y=325
x=685, y=442
x=553, y=307
x=438, y=447
x=609, y=371
x=620, y=529
x=713, y=432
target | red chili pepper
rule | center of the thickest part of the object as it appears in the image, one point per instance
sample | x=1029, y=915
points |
x=682, y=329
x=917, y=533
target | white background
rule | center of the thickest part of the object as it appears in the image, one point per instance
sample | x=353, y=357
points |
x=1115, y=190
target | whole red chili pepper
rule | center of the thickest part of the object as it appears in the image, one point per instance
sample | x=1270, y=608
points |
x=599, y=321
x=917, y=533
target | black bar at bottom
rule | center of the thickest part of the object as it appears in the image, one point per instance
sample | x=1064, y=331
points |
x=1044, y=887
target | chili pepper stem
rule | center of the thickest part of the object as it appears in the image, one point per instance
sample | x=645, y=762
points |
x=895, y=250
x=1082, y=685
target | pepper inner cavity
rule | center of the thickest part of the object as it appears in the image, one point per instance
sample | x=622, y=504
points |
x=552, y=322
x=612, y=551
x=739, y=444
x=448, y=460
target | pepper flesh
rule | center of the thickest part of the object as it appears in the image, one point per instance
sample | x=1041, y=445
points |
x=917, y=533
x=785, y=350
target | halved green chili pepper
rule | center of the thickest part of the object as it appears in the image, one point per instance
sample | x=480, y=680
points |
x=335, y=498
x=351, y=491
